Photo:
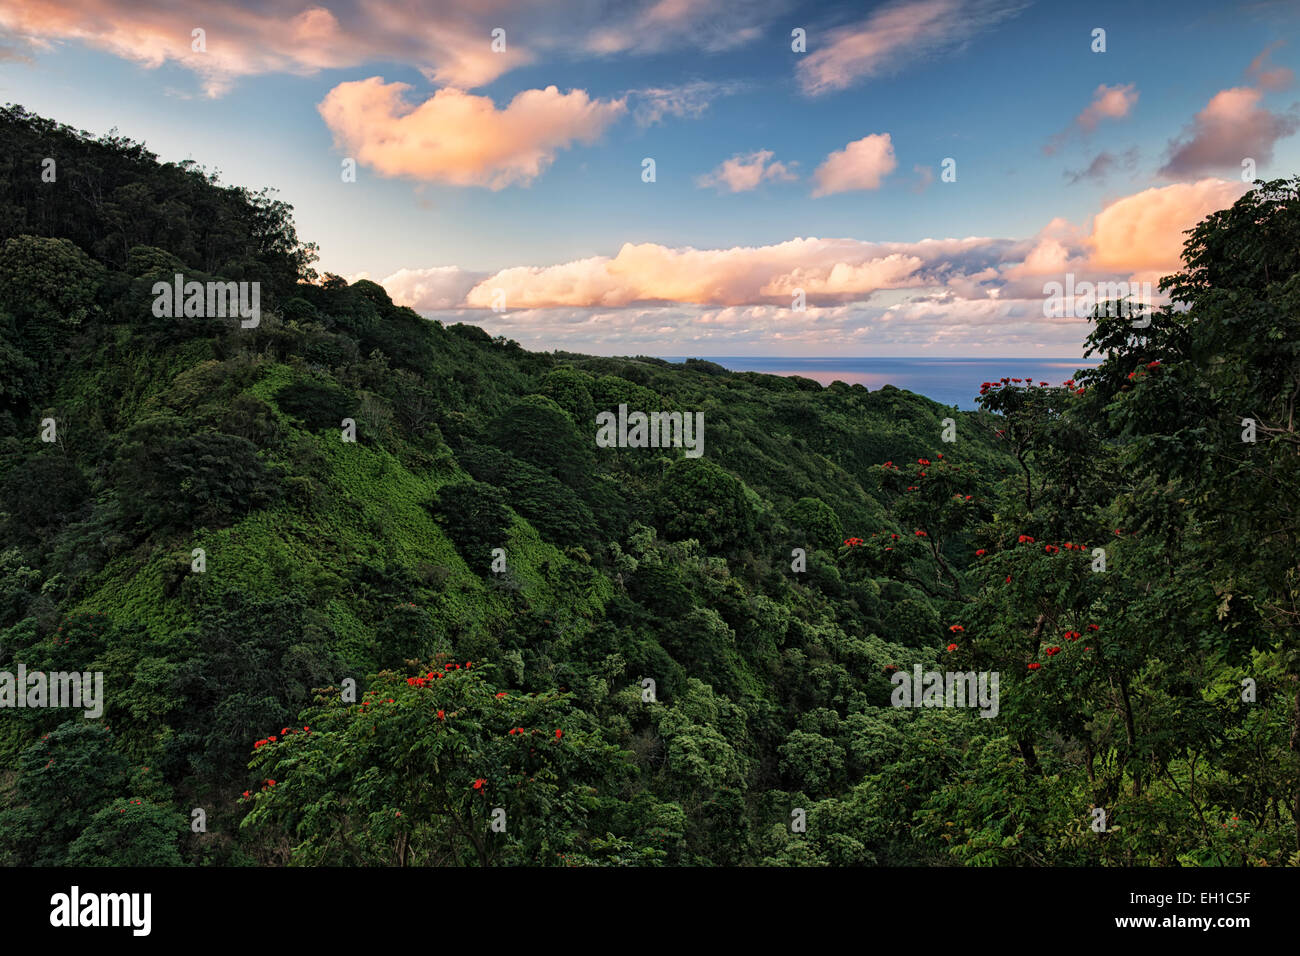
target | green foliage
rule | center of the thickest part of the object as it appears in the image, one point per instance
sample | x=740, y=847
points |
x=818, y=521
x=698, y=499
x=476, y=517
x=200, y=534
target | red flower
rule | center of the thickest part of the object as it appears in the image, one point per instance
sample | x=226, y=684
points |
x=1053, y=651
x=1153, y=365
x=478, y=784
x=1008, y=579
x=921, y=534
x=1093, y=627
x=270, y=783
x=980, y=553
x=441, y=715
x=558, y=733
x=951, y=648
x=245, y=793
x=500, y=695
x=956, y=628
x=1034, y=666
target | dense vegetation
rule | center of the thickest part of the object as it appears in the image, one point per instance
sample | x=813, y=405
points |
x=645, y=672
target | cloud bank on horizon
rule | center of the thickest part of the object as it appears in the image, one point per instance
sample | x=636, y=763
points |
x=931, y=117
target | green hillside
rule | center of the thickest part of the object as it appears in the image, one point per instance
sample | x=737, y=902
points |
x=472, y=635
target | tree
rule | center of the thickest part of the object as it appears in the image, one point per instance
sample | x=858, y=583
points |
x=698, y=499
x=419, y=770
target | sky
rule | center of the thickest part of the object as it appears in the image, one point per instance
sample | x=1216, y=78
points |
x=487, y=161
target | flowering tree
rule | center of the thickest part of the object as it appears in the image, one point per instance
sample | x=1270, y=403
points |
x=442, y=768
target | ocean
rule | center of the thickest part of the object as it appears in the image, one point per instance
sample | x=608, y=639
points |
x=950, y=381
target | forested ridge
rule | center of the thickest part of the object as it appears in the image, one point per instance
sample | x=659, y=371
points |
x=565, y=654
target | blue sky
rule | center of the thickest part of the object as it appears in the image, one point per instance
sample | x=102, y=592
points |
x=552, y=190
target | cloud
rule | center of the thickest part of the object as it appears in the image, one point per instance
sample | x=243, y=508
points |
x=658, y=25
x=924, y=177
x=1103, y=164
x=436, y=288
x=742, y=173
x=898, y=32
x=450, y=42
x=1270, y=80
x=894, y=271
x=975, y=295
x=836, y=269
x=459, y=138
x=1232, y=127
x=1144, y=232
x=688, y=100
x=1108, y=102
x=14, y=49
x=861, y=164
x=280, y=36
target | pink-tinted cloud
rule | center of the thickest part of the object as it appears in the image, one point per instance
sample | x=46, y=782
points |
x=1108, y=102
x=688, y=100
x=450, y=41
x=1103, y=164
x=893, y=34
x=657, y=25
x=835, y=269
x=459, y=138
x=453, y=47
x=960, y=296
x=742, y=173
x=433, y=289
x=894, y=271
x=1144, y=232
x=861, y=164
x=965, y=296
x=1268, y=78
x=924, y=178
x=1232, y=127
